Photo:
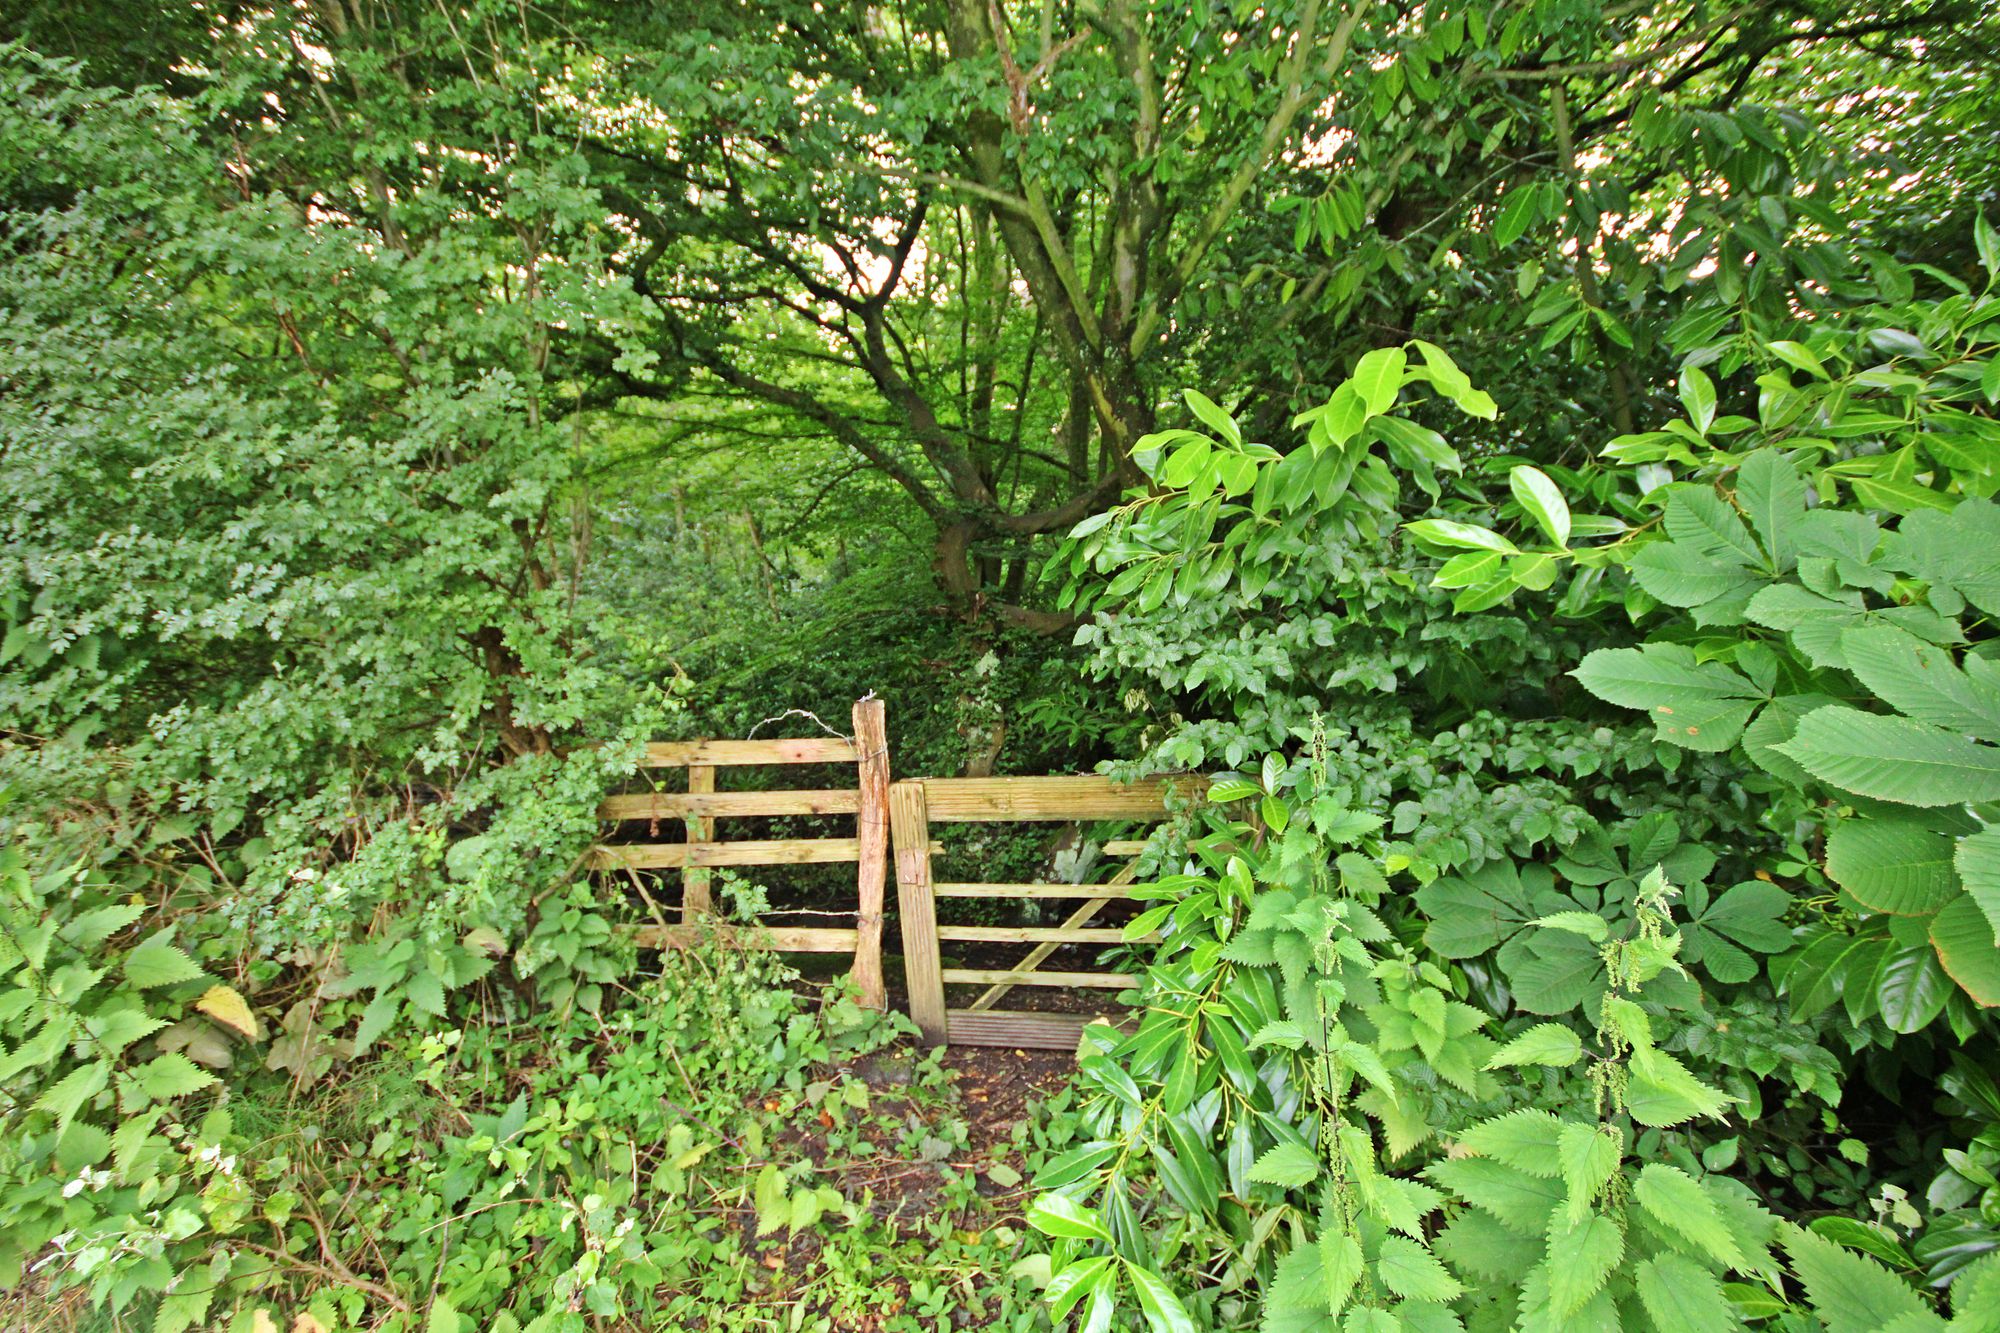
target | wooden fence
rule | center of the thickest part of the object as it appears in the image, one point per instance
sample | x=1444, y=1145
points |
x=918, y=803
x=702, y=804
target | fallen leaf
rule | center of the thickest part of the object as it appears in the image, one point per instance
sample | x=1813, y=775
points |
x=226, y=1007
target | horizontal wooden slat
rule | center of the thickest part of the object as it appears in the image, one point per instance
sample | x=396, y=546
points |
x=784, y=939
x=1005, y=1027
x=807, y=750
x=677, y=805
x=772, y=852
x=945, y=889
x=979, y=976
x=1122, y=848
x=1041, y=934
x=988, y=800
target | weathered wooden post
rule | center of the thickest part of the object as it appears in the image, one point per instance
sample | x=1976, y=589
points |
x=871, y=832
x=912, y=829
x=695, y=900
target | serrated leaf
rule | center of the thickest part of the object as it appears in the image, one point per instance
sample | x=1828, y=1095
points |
x=1897, y=866
x=1676, y=1201
x=1682, y=1295
x=1894, y=759
x=1590, y=1155
x=1850, y=1294
x=1581, y=1257
x=158, y=961
x=1661, y=1092
x=1408, y=1269
x=1288, y=1165
x=172, y=1075
x=1526, y=1140
x=1549, y=1044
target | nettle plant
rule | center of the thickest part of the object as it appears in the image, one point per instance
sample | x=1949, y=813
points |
x=1313, y=1121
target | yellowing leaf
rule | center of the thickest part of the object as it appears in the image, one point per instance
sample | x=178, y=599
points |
x=230, y=1009
x=308, y=1323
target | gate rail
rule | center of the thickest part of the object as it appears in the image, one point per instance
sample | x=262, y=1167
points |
x=701, y=805
x=915, y=804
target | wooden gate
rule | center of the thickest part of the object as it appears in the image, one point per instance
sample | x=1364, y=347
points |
x=918, y=803
x=701, y=805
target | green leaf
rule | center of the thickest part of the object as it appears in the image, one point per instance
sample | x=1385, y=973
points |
x=1698, y=397
x=1850, y=1294
x=1542, y=501
x=1060, y=1216
x=1964, y=940
x=1662, y=1093
x=1549, y=1044
x=1587, y=924
x=1581, y=1256
x=1920, y=680
x=1527, y=1140
x=1290, y=1165
x=172, y=1075
x=1894, y=759
x=1679, y=1204
x=1340, y=1264
x=1681, y=1295
x=1683, y=575
x=1378, y=378
x=158, y=961
x=1408, y=1269
x=1799, y=357
x=1157, y=1301
x=1213, y=416
x=1897, y=866
x=1590, y=1156
x=1660, y=678
x=1516, y=214
x=1774, y=498
x=1445, y=532
x=66, y=1097
x=1911, y=986
x=1978, y=864
x=1700, y=519
x=1521, y=1202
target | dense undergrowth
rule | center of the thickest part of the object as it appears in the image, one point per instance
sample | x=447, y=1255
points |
x=1579, y=587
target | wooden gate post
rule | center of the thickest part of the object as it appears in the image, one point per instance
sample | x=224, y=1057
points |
x=871, y=832
x=911, y=826
x=695, y=900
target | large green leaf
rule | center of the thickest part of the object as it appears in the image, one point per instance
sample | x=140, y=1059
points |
x=1684, y=575
x=1771, y=494
x=1965, y=945
x=1683, y=1296
x=1959, y=550
x=1894, y=758
x=1911, y=986
x=1921, y=680
x=1897, y=866
x=1699, y=705
x=1699, y=519
x=1978, y=864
